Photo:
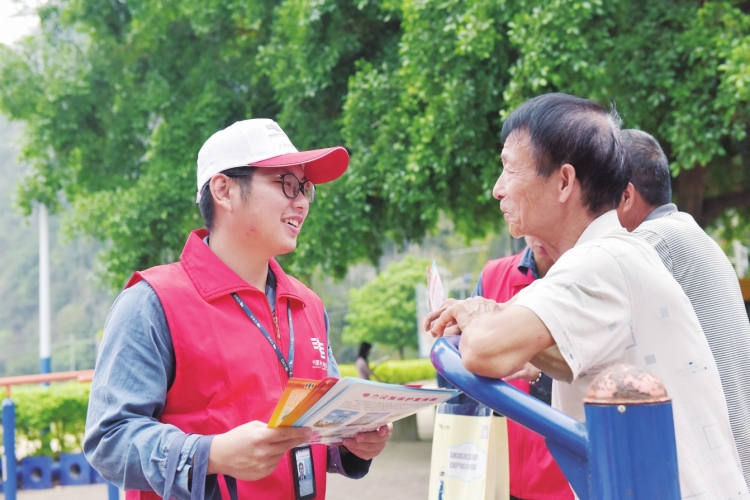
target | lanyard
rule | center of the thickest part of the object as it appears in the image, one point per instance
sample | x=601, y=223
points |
x=288, y=366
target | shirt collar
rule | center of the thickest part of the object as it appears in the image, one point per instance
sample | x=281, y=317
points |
x=658, y=212
x=212, y=278
x=527, y=263
x=270, y=282
x=600, y=227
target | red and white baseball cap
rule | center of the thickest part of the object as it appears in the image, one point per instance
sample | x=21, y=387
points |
x=260, y=142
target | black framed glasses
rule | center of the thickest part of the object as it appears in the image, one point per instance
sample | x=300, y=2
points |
x=290, y=185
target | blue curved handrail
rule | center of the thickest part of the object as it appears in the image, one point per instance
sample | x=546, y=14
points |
x=506, y=399
x=566, y=438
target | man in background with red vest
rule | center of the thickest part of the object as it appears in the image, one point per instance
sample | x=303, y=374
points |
x=196, y=354
x=533, y=473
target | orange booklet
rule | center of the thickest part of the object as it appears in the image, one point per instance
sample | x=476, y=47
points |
x=299, y=395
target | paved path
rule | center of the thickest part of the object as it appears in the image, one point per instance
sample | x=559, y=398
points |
x=401, y=472
x=94, y=492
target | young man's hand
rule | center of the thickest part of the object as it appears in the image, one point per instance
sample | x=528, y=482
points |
x=252, y=451
x=367, y=445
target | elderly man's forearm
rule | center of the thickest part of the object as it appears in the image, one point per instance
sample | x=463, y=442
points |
x=499, y=344
x=551, y=362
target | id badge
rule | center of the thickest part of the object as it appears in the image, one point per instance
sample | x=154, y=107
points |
x=303, y=473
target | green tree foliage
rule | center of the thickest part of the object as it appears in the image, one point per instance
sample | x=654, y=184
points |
x=677, y=70
x=384, y=310
x=119, y=95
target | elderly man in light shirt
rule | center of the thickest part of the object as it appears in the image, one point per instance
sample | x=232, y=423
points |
x=607, y=299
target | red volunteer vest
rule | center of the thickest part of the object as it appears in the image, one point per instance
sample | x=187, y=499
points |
x=227, y=373
x=534, y=474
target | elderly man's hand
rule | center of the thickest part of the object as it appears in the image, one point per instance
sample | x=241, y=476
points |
x=367, y=445
x=430, y=319
x=455, y=315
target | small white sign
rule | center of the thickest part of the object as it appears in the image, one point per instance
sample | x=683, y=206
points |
x=466, y=462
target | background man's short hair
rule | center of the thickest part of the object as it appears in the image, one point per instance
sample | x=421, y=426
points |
x=206, y=204
x=567, y=129
x=648, y=165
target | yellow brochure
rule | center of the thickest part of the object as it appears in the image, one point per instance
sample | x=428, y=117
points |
x=314, y=395
x=295, y=391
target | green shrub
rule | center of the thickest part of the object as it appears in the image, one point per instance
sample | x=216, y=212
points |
x=397, y=371
x=54, y=413
x=348, y=370
x=405, y=371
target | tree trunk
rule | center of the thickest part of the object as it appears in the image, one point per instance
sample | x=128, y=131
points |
x=689, y=186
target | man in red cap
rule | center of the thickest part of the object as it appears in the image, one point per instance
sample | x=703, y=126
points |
x=196, y=353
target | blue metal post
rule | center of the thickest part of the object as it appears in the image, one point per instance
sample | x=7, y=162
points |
x=45, y=366
x=632, y=448
x=9, y=443
x=112, y=492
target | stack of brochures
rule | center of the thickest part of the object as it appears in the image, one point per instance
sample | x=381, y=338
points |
x=339, y=408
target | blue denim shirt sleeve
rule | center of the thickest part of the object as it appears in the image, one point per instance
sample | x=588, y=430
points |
x=479, y=289
x=134, y=369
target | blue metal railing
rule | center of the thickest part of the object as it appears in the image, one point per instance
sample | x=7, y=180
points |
x=624, y=451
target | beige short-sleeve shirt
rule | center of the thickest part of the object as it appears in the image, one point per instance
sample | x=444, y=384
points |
x=610, y=300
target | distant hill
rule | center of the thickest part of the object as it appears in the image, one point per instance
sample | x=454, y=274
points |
x=79, y=306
